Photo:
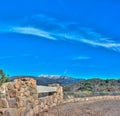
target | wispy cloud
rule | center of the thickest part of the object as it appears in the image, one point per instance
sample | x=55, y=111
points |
x=50, y=28
x=82, y=58
x=32, y=31
x=106, y=44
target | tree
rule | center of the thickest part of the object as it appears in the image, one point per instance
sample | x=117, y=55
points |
x=3, y=78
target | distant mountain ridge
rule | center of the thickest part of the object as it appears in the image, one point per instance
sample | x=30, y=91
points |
x=50, y=79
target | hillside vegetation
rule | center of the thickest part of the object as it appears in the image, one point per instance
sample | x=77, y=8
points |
x=93, y=87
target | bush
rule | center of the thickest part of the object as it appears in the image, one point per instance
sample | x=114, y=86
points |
x=3, y=78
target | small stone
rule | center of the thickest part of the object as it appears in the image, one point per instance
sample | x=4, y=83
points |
x=42, y=105
x=46, y=108
x=21, y=111
x=6, y=113
x=31, y=113
x=12, y=93
x=12, y=103
x=21, y=102
x=32, y=81
x=10, y=86
x=17, y=85
x=27, y=93
x=36, y=110
x=30, y=99
x=34, y=91
x=1, y=113
x=3, y=103
x=35, y=96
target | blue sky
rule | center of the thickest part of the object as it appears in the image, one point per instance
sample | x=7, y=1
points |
x=77, y=38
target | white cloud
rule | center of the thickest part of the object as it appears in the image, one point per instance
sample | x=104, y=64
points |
x=32, y=31
x=52, y=29
x=105, y=43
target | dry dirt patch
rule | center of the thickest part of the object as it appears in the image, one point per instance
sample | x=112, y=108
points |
x=91, y=108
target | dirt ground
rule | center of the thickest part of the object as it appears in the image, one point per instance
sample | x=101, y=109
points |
x=91, y=108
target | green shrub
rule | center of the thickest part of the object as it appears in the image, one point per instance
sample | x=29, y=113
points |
x=3, y=78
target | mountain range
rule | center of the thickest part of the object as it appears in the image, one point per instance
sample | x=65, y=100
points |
x=50, y=79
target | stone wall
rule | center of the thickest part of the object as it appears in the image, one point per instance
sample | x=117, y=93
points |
x=96, y=98
x=20, y=98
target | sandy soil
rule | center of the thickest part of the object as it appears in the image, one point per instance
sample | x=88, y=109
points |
x=91, y=108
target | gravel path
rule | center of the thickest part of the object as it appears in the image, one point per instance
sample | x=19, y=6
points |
x=91, y=108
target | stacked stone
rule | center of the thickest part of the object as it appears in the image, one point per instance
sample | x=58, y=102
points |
x=20, y=98
x=20, y=95
x=26, y=94
x=8, y=100
x=26, y=89
x=49, y=101
x=58, y=96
